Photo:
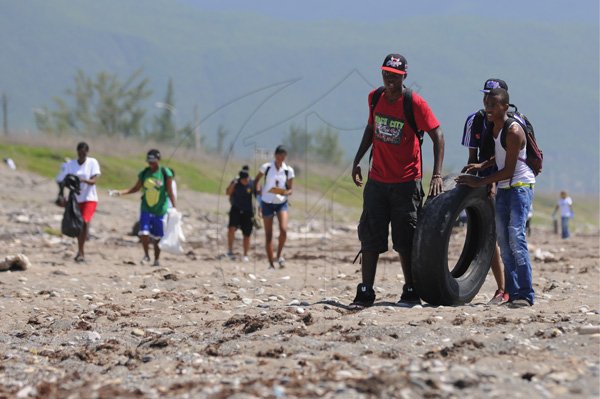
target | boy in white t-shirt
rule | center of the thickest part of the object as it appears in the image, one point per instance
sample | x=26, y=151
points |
x=273, y=201
x=87, y=170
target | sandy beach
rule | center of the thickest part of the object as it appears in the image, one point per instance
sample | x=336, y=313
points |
x=201, y=326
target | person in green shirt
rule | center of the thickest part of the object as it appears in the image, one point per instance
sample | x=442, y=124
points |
x=156, y=184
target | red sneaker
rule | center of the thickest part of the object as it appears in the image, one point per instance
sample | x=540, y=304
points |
x=499, y=298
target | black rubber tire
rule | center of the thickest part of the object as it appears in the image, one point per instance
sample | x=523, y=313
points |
x=433, y=280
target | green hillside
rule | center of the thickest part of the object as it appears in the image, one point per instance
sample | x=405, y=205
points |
x=120, y=168
x=255, y=75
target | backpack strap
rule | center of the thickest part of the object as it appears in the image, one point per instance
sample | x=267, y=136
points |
x=374, y=100
x=505, y=127
x=507, y=124
x=164, y=174
x=409, y=113
x=479, y=121
x=486, y=141
x=376, y=97
x=145, y=172
x=286, y=175
x=266, y=173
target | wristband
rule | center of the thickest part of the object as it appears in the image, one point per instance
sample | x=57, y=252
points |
x=436, y=176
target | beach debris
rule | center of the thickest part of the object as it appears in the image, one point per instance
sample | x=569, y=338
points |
x=15, y=262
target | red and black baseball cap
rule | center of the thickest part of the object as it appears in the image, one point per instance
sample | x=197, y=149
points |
x=494, y=84
x=395, y=63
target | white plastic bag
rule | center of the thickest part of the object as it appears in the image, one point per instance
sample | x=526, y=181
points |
x=171, y=241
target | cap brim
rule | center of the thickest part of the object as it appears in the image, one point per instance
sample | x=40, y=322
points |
x=393, y=70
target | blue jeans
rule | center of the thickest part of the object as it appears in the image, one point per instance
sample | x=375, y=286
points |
x=512, y=206
x=564, y=222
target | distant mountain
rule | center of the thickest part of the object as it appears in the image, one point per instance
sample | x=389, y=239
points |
x=255, y=75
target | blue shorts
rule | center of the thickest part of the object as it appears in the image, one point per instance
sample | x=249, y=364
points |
x=151, y=224
x=268, y=210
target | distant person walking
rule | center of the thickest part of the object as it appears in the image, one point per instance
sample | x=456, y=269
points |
x=565, y=206
x=10, y=163
x=245, y=168
x=529, y=218
x=514, y=197
x=87, y=169
x=277, y=187
x=240, y=191
x=477, y=127
x=156, y=183
x=393, y=192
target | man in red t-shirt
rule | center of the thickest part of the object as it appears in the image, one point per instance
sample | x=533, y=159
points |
x=393, y=192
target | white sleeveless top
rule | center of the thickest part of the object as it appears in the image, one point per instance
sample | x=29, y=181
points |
x=523, y=173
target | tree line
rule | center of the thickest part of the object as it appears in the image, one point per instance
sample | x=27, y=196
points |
x=106, y=105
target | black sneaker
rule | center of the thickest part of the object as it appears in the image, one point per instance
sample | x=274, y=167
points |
x=365, y=297
x=409, y=297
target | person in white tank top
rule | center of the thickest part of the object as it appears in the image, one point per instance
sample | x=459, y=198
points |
x=522, y=173
x=513, y=199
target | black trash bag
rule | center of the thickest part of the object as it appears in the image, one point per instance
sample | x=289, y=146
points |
x=72, y=222
x=71, y=182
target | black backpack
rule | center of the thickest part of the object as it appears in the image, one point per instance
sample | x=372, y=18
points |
x=478, y=125
x=534, y=156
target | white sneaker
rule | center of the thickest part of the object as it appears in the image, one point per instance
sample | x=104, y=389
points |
x=281, y=262
x=245, y=259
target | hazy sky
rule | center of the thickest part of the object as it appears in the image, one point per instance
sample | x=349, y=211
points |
x=586, y=11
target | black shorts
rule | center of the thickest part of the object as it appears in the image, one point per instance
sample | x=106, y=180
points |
x=241, y=219
x=385, y=203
